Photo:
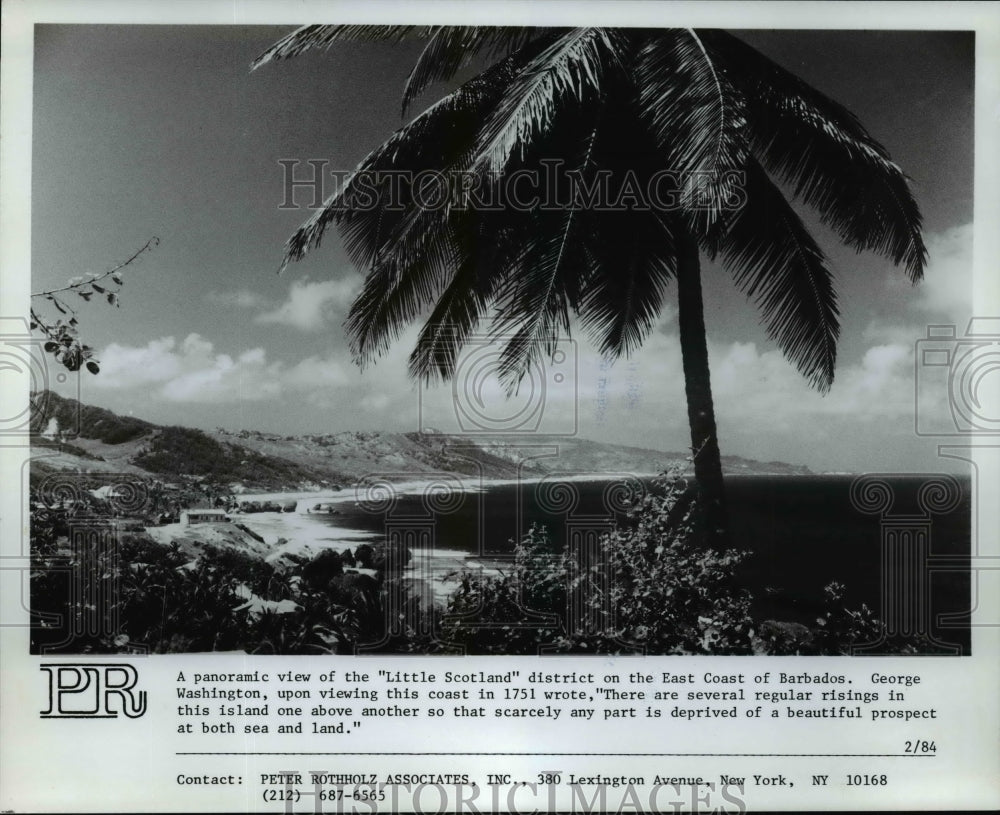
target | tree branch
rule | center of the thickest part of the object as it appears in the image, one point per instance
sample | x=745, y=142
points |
x=151, y=243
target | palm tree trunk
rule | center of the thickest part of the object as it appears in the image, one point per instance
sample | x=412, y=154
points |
x=698, y=388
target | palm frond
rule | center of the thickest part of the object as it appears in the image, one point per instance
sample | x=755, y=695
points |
x=533, y=307
x=568, y=72
x=698, y=103
x=440, y=138
x=608, y=263
x=635, y=259
x=395, y=292
x=312, y=37
x=632, y=247
x=696, y=116
x=453, y=47
x=822, y=150
x=410, y=250
x=776, y=262
x=489, y=259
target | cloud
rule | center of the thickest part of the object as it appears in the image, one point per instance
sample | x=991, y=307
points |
x=946, y=292
x=189, y=371
x=642, y=400
x=211, y=377
x=947, y=285
x=376, y=401
x=316, y=372
x=192, y=371
x=764, y=387
x=944, y=296
x=754, y=389
x=125, y=367
x=241, y=298
x=765, y=408
x=312, y=306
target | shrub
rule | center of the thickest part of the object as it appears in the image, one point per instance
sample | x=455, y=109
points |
x=666, y=590
x=164, y=601
x=318, y=572
x=514, y=613
x=838, y=629
x=650, y=584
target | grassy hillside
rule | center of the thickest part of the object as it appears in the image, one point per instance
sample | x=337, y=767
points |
x=87, y=438
x=75, y=419
x=174, y=451
x=356, y=454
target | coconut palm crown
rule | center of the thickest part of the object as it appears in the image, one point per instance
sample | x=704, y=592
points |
x=721, y=132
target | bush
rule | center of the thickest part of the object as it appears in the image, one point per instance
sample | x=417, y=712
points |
x=318, y=572
x=839, y=629
x=668, y=591
x=649, y=585
x=515, y=613
x=161, y=600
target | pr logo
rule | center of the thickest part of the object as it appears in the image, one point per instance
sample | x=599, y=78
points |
x=93, y=691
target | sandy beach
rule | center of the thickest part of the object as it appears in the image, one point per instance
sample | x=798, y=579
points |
x=300, y=533
x=417, y=485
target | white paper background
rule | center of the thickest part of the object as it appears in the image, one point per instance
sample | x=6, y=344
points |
x=130, y=764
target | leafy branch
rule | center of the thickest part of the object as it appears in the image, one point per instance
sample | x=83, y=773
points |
x=62, y=334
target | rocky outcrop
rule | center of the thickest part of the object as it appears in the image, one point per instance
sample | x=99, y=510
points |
x=193, y=539
x=389, y=558
x=318, y=573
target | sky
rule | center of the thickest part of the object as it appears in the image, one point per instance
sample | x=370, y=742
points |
x=163, y=130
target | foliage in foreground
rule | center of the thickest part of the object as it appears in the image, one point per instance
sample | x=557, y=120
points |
x=137, y=594
x=650, y=585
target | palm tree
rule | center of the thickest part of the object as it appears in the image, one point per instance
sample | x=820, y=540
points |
x=734, y=130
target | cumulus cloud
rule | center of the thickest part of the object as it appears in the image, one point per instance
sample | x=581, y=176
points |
x=316, y=372
x=211, y=377
x=193, y=371
x=762, y=386
x=944, y=296
x=947, y=285
x=312, y=306
x=947, y=288
x=124, y=367
x=754, y=388
x=642, y=400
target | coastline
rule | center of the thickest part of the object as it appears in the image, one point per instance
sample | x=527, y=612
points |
x=301, y=534
x=418, y=485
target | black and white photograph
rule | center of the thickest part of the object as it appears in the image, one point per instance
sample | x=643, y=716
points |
x=600, y=345
x=582, y=339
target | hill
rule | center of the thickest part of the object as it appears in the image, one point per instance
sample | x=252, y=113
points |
x=92, y=439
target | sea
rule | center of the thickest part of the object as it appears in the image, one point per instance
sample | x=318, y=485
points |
x=800, y=532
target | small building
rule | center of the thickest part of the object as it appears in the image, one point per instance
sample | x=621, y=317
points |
x=203, y=516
